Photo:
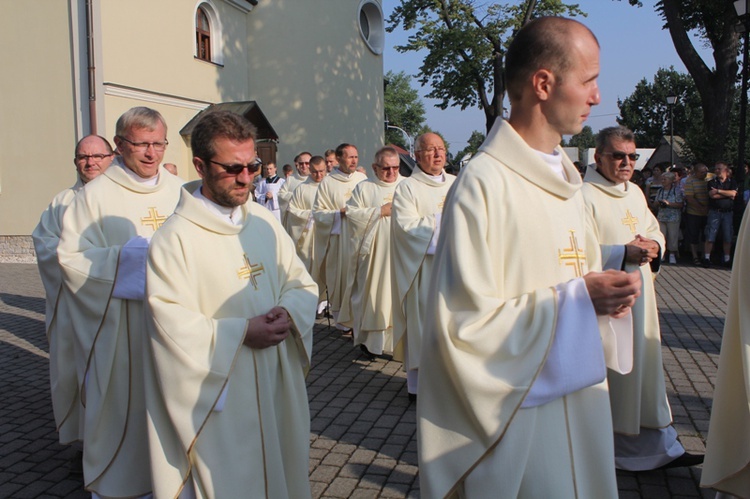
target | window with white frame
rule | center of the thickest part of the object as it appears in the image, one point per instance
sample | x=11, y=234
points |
x=207, y=33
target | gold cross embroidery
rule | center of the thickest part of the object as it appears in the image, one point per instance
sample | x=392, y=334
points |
x=348, y=195
x=153, y=219
x=388, y=199
x=573, y=256
x=630, y=221
x=250, y=271
x=441, y=203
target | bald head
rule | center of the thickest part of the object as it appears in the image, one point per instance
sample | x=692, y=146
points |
x=544, y=43
x=93, y=156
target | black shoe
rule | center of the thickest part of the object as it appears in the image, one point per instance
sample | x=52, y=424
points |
x=697, y=261
x=706, y=263
x=683, y=461
x=75, y=464
x=727, y=264
x=412, y=397
x=368, y=354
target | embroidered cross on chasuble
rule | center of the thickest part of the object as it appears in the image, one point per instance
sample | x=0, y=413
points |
x=153, y=219
x=251, y=271
x=574, y=256
x=630, y=221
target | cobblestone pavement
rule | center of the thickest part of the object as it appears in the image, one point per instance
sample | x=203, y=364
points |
x=363, y=438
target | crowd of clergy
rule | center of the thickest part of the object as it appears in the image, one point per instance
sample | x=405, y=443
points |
x=180, y=315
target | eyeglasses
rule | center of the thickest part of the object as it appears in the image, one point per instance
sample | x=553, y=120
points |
x=619, y=155
x=237, y=168
x=95, y=157
x=387, y=168
x=143, y=146
x=432, y=150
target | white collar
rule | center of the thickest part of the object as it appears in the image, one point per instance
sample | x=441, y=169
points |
x=233, y=214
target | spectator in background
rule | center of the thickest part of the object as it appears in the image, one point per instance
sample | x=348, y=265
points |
x=721, y=193
x=670, y=202
x=696, y=211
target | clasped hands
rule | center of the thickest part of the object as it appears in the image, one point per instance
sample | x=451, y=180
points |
x=269, y=329
x=613, y=292
x=641, y=250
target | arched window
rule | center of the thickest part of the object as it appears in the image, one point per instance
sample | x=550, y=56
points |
x=202, y=35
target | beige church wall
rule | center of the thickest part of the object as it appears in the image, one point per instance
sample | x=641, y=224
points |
x=156, y=52
x=37, y=111
x=314, y=77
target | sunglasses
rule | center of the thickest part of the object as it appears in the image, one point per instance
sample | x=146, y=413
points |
x=237, y=168
x=619, y=155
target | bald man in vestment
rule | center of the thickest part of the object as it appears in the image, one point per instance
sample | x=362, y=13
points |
x=93, y=155
x=513, y=398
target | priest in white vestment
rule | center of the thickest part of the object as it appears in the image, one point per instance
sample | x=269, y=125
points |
x=299, y=222
x=368, y=299
x=513, y=397
x=302, y=170
x=102, y=252
x=93, y=154
x=267, y=190
x=727, y=466
x=331, y=250
x=641, y=416
x=417, y=210
x=231, y=339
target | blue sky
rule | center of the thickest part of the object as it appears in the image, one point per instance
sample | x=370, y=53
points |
x=633, y=46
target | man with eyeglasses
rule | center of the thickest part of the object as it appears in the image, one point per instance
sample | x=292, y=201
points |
x=366, y=306
x=302, y=167
x=722, y=189
x=630, y=239
x=102, y=252
x=93, y=154
x=231, y=337
x=332, y=249
x=417, y=215
x=299, y=221
x=513, y=395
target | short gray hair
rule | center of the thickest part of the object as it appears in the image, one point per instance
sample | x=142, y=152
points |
x=139, y=117
x=605, y=136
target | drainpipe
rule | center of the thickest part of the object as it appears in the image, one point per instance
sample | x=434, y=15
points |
x=91, y=67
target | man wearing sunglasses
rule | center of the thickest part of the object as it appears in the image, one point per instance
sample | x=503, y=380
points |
x=93, y=154
x=231, y=338
x=631, y=239
x=367, y=302
x=102, y=254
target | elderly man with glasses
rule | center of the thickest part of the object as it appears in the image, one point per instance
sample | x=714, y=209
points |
x=102, y=253
x=93, y=154
x=417, y=211
x=231, y=338
x=367, y=303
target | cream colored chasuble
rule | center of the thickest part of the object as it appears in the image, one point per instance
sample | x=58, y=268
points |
x=727, y=465
x=286, y=191
x=639, y=398
x=513, y=231
x=110, y=211
x=417, y=203
x=225, y=419
x=368, y=299
x=300, y=225
x=66, y=404
x=333, y=193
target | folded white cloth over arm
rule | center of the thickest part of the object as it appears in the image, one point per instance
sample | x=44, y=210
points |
x=131, y=270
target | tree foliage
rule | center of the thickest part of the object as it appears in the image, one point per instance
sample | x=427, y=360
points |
x=583, y=140
x=403, y=108
x=475, y=141
x=466, y=41
x=713, y=22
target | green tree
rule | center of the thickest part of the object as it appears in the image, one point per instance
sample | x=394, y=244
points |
x=583, y=140
x=465, y=41
x=403, y=108
x=712, y=22
x=475, y=141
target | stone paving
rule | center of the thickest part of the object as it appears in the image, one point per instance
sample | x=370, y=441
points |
x=363, y=432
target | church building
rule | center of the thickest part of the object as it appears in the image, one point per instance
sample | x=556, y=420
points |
x=309, y=74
